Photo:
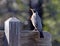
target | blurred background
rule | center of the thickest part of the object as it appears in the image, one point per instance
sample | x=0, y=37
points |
x=20, y=9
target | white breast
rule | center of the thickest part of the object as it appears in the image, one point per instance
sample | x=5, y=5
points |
x=33, y=19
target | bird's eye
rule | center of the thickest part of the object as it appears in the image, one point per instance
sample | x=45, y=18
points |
x=34, y=11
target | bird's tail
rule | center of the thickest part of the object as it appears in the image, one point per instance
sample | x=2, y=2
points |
x=41, y=34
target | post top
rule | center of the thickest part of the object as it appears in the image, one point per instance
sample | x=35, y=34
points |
x=12, y=19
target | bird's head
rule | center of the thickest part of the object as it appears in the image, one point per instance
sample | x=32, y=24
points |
x=33, y=10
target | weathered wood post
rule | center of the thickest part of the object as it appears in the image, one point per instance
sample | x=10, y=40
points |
x=1, y=37
x=31, y=38
x=12, y=32
x=46, y=41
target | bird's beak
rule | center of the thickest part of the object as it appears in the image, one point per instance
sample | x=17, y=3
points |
x=31, y=10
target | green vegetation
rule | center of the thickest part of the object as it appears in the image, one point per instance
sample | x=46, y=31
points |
x=52, y=19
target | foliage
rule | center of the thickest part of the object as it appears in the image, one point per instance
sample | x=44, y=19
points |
x=52, y=18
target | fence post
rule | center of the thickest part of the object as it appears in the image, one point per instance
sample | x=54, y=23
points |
x=31, y=38
x=12, y=32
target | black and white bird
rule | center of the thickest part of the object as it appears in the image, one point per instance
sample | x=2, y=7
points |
x=36, y=21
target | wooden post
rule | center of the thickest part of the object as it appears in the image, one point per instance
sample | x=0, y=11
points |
x=12, y=32
x=1, y=37
x=31, y=38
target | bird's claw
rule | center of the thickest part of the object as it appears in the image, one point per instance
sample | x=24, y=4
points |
x=35, y=30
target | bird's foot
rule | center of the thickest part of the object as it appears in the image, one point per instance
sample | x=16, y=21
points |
x=35, y=30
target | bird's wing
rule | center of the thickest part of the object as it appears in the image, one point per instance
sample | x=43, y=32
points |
x=39, y=24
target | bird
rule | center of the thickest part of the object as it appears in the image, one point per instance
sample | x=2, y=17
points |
x=36, y=21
